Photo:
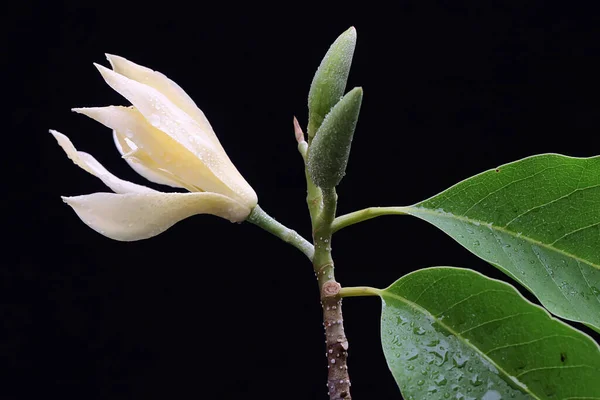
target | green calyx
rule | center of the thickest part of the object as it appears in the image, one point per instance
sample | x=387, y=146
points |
x=330, y=149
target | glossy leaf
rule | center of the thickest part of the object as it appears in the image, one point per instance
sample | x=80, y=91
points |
x=451, y=333
x=538, y=220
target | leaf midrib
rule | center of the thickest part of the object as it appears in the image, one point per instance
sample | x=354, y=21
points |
x=424, y=210
x=506, y=376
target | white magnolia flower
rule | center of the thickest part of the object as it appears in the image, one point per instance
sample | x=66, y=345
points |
x=167, y=139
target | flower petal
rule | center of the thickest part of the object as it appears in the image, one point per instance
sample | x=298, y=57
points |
x=136, y=216
x=91, y=165
x=164, y=85
x=138, y=166
x=163, y=152
x=159, y=110
x=161, y=113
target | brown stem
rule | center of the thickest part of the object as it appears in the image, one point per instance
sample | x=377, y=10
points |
x=338, y=382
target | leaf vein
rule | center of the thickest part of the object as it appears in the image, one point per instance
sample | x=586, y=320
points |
x=507, y=185
x=554, y=367
x=573, y=309
x=495, y=320
x=469, y=297
x=550, y=202
x=430, y=286
x=575, y=231
x=586, y=281
x=531, y=342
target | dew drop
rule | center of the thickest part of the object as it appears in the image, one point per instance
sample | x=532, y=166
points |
x=419, y=331
x=432, y=389
x=459, y=360
x=475, y=381
x=154, y=120
x=440, y=380
x=492, y=395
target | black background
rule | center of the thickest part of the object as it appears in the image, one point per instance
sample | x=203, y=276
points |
x=220, y=311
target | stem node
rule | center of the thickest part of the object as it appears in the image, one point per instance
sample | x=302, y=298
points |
x=330, y=289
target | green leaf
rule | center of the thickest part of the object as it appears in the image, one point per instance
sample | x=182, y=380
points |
x=329, y=151
x=452, y=333
x=329, y=82
x=538, y=220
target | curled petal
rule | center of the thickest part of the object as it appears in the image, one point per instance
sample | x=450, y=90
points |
x=91, y=165
x=164, y=85
x=136, y=216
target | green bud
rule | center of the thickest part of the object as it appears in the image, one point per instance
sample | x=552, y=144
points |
x=329, y=82
x=328, y=154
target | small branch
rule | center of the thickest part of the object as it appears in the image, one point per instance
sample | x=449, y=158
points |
x=363, y=215
x=260, y=218
x=359, y=291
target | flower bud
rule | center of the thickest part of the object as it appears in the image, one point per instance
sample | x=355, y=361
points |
x=330, y=149
x=329, y=82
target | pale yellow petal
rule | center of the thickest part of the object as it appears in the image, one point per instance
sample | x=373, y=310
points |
x=128, y=217
x=165, y=152
x=140, y=166
x=91, y=165
x=164, y=85
x=161, y=113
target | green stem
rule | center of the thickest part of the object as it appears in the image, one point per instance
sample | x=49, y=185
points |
x=322, y=222
x=359, y=291
x=260, y=218
x=365, y=214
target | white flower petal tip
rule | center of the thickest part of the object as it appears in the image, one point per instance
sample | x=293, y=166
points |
x=83, y=110
x=55, y=133
x=132, y=216
x=134, y=71
x=114, y=60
